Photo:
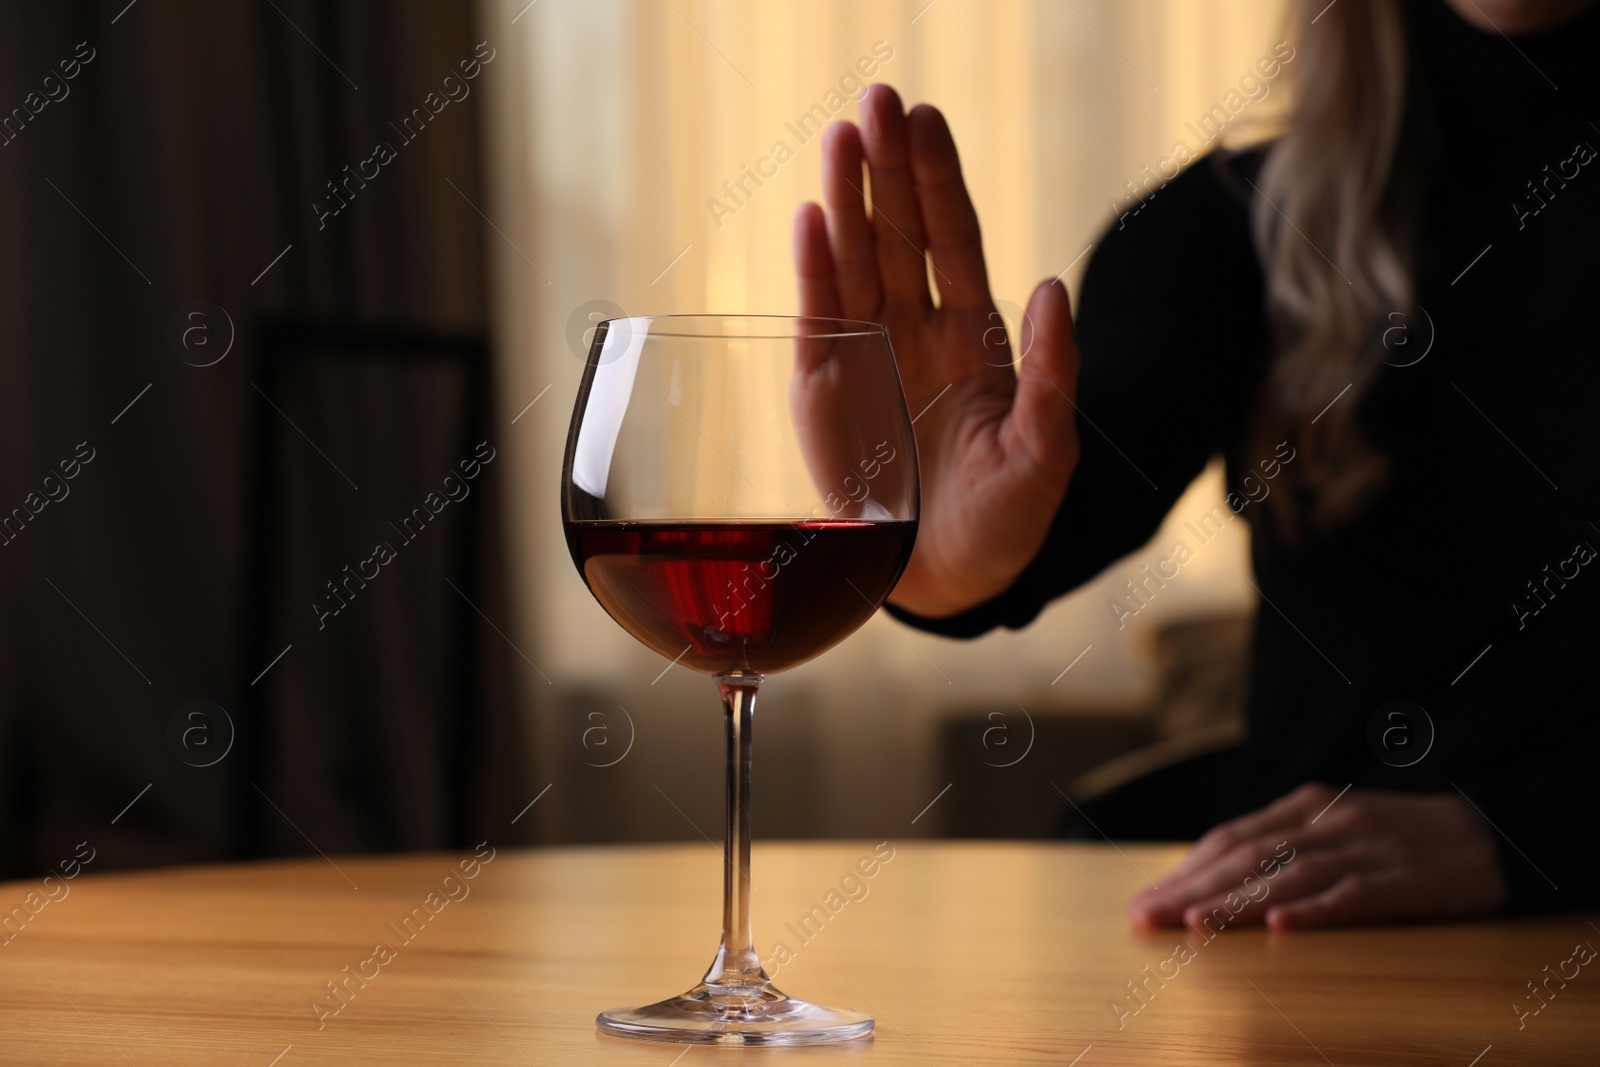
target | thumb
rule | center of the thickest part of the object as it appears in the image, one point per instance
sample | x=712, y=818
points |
x=1043, y=419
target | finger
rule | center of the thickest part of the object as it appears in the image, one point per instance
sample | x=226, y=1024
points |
x=1215, y=913
x=1311, y=873
x=896, y=219
x=1171, y=902
x=1262, y=857
x=1288, y=811
x=813, y=263
x=849, y=233
x=1043, y=420
x=1304, y=804
x=1358, y=898
x=948, y=217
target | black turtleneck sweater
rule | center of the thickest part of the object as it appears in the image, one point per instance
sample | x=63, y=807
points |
x=1426, y=596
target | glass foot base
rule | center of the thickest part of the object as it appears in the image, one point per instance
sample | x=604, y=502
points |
x=761, y=1016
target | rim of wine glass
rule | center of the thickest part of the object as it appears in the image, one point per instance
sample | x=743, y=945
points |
x=843, y=327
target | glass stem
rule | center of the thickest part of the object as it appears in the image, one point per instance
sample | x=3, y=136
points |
x=737, y=966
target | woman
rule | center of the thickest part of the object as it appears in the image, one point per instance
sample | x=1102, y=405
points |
x=1381, y=307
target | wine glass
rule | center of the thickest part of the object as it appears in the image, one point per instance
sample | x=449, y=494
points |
x=740, y=493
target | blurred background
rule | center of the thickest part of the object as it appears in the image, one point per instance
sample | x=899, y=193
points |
x=309, y=280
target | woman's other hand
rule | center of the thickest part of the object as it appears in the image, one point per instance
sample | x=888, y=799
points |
x=1362, y=858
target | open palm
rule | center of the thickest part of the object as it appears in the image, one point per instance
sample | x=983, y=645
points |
x=996, y=445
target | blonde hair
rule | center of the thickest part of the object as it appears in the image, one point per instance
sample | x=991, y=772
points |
x=1333, y=231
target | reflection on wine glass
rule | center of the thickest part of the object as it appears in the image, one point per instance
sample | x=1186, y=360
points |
x=740, y=494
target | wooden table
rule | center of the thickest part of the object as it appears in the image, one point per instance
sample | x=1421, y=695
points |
x=964, y=953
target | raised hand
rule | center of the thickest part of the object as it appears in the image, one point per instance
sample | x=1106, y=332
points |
x=996, y=445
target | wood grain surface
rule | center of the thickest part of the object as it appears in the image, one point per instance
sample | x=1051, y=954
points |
x=965, y=953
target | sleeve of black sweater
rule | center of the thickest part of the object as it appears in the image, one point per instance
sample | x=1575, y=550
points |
x=1533, y=749
x=1170, y=330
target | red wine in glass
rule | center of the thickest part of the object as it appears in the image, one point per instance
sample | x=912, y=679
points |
x=741, y=596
